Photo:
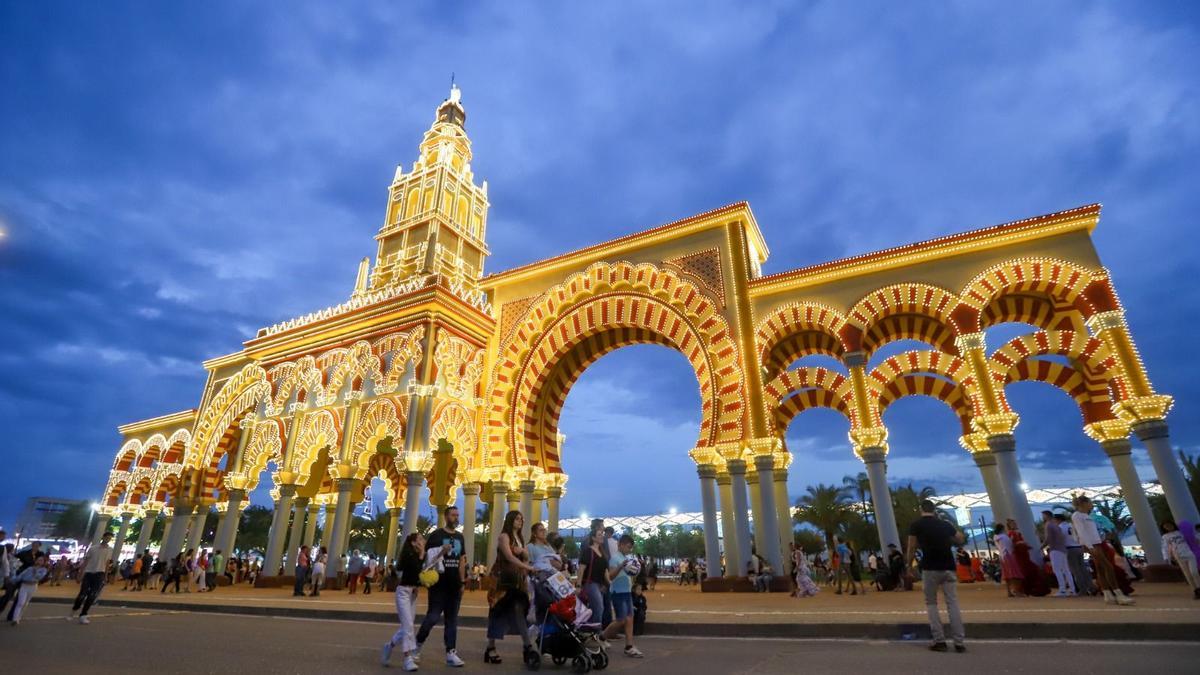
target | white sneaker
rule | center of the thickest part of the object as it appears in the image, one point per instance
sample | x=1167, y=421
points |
x=416, y=654
x=1123, y=599
x=1109, y=598
x=410, y=664
x=452, y=659
x=84, y=620
x=387, y=653
x=633, y=652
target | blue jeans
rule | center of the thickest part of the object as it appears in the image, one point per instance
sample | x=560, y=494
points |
x=599, y=601
x=301, y=577
x=443, y=602
x=622, y=605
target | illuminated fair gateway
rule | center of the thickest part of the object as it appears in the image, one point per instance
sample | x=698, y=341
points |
x=435, y=374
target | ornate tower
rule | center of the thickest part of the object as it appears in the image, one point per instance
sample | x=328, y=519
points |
x=436, y=215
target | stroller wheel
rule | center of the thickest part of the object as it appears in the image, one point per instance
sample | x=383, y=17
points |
x=533, y=660
x=581, y=664
x=599, y=661
x=559, y=660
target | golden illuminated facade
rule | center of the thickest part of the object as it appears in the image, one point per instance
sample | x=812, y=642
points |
x=433, y=374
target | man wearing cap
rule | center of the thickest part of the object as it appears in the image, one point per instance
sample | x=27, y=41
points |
x=95, y=569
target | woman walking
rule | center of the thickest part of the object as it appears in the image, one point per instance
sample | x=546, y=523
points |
x=408, y=567
x=805, y=588
x=1010, y=571
x=509, y=602
x=319, y=563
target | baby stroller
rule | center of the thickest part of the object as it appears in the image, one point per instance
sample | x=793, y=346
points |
x=565, y=630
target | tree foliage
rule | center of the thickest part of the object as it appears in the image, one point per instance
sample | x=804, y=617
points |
x=825, y=507
x=254, y=528
x=74, y=522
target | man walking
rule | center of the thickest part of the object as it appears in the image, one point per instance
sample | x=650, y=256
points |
x=354, y=570
x=303, y=565
x=445, y=596
x=934, y=537
x=216, y=567
x=1089, y=537
x=1079, y=570
x=1056, y=545
x=95, y=570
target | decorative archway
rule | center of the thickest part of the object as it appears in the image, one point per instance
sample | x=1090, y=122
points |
x=607, y=299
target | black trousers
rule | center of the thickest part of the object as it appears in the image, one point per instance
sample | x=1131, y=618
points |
x=443, y=602
x=89, y=590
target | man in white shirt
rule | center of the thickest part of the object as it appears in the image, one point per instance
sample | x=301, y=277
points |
x=95, y=570
x=1089, y=537
x=1079, y=570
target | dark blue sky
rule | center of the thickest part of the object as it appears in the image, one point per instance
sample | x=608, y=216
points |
x=172, y=178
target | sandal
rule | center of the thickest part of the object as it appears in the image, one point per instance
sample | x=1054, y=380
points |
x=491, y=656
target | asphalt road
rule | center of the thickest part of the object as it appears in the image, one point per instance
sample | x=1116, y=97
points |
x=134, y=641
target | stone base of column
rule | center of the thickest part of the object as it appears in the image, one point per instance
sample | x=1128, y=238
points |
x=1164, y=573
x=779, y=584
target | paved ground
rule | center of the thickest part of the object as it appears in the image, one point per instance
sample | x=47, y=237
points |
x=138, y=641
x=1156, y=604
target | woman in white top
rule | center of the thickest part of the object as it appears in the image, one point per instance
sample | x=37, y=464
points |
x=318, y=571
x=1176, y=548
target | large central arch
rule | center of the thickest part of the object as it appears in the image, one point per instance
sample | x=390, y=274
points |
x=592, y=313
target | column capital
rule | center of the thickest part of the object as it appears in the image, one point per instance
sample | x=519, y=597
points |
x=1107, y=430
x=394, y=510
x=984, y=458
x=736, y=467
x=314, y=507
x=752, y=479
x=499, y=487
x=300, y=502
x=781, y=475
x=471, y=488
x=723, y=478
x=1142, y=410
x=539, y=494
x=1148, y=430
x=975, y=443
x=287, y=490
x=235, y=493
x=994, y=424
x=706, y=471
x=414, y=479
x=970, y=342
x=764, y=463
x=1002, y=443
x=346, y=485
x=555, y=492
x=855, y=359
x=1116, y=447
x=871, y=438
x=527, y=486
x=875, y=455
x=1102, y=321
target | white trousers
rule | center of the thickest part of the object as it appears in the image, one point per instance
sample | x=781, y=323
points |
x=1062, y=572
x=23, y=595
x=1190, y=573
x=406, y=609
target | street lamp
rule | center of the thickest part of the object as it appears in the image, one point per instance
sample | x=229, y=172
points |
x=1024, y=487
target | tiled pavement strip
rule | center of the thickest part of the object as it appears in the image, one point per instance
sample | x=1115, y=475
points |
x=1164, y=611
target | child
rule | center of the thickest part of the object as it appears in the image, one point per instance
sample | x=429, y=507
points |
x=639, y=609
x=28, y=580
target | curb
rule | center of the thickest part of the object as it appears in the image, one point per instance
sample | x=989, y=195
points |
x=1114, y=632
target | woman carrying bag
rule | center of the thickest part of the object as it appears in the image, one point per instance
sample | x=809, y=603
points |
x=414, y=571
x=510, y=601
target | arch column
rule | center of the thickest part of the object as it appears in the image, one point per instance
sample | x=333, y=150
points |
x=412, y=500
x=279, y=526
x=1155, y=435
x=195, y=534
x=741, y=521
x=392, y=533
x=1120, y=453
x=310, y=526
x=986, y=461
x=767, y=529
x=733, y=558
x=499, y=499
x=230, y=519
x=755, y=513
x=875, y=460
x=708, y=502
x=470, y=516
x=783, y=509
x=526, y=505
x=299, y=510
x=553, y=496
x=149, y=518
x=1004, y=448
x=513, y=501
x=122, y=532
x=102, y=521
x=341, y=525
x=327, y=528
x=539, y=502
x=169, y=546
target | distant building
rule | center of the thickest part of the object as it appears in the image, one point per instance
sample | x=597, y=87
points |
x=41, y=515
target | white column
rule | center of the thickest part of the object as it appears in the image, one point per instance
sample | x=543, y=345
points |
x=553, y=496
x=196, y=528
x=1156, y=437
x=172, y=535
x=997, y=498
x=741, y=519
x=708, y=503
x=149, y=517
x=1119, y=451
x=310, y=526
x=539, y=501
x=755, y=513
x=783, y=508
x=393, y=532
x=469, y=517
x=412, y=501
x=299, y=510
x=733, y=557
x=499, y=499
x=1004, y=447
x=279, y=528
x=527, y=487
x=881, y=496
x=230, y=519
x=102, y=522
x=341, y=524
x=768, y=527
x=122, y=532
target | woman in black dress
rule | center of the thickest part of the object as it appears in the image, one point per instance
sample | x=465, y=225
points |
x=510, y=601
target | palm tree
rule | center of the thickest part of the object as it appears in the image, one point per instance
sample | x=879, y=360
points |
x=825, y=507
x=861, y=485
x=906, y=502
x=1115, y=511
